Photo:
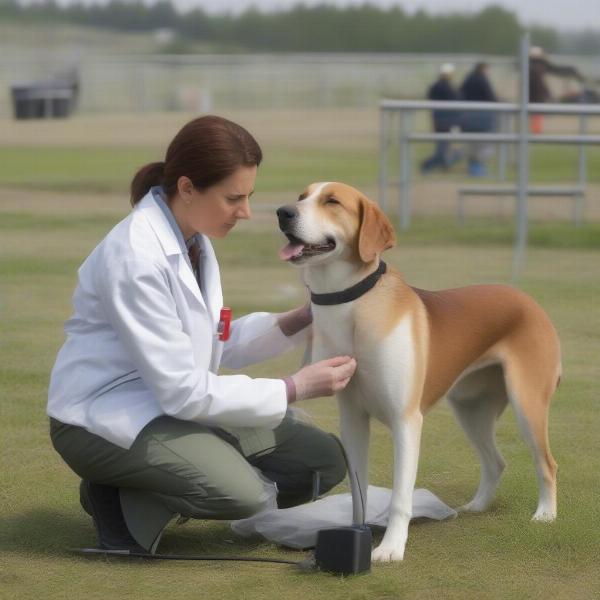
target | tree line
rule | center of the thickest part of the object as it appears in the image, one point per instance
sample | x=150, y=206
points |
x=322, y=28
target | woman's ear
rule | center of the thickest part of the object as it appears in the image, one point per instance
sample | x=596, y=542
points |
x=376, y=233
x=185, y=187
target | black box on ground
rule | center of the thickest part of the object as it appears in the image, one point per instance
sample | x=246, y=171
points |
x=344, y=550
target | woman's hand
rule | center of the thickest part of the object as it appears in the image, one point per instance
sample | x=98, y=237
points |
x=323, y=378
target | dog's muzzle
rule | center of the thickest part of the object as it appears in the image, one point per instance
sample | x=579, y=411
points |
x=286, y=215
x=298, y=249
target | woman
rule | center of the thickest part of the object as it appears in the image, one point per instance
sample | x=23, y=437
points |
x=136, y=407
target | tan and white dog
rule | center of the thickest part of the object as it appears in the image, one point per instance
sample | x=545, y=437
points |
x=480, y=346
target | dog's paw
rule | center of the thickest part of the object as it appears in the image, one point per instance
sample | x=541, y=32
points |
x=473, y=507
x=387, y=553
x=544, y=516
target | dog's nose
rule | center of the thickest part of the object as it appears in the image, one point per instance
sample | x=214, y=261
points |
x=285, y=214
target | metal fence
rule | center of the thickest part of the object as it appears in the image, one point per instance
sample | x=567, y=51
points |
x=521, y=137
x=215, y=82
x=396, y=120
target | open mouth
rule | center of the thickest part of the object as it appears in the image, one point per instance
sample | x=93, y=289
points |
x=298, y=249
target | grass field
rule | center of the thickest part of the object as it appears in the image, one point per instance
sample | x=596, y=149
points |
x=55, y=206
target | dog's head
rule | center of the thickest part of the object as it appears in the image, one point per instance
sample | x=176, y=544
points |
x=333, y=220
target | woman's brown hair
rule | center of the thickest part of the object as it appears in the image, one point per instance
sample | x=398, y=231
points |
x=207, y=150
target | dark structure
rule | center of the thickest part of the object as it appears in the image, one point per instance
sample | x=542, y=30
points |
x=49, y=99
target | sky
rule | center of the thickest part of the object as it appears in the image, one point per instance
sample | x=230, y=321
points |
x=561, y=14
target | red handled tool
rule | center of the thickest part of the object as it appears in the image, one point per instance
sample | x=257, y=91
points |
x=223, y=329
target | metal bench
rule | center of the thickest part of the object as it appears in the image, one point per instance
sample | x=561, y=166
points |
x=577, y=192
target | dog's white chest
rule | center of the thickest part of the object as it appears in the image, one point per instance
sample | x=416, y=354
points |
x=383, y=381
x=333, y=331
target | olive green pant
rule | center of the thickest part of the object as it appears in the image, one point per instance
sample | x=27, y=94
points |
x=208, y=472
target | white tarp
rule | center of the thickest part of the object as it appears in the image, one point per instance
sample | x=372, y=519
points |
x=297, y=527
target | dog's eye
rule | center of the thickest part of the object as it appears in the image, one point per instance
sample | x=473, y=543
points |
x=331, y=200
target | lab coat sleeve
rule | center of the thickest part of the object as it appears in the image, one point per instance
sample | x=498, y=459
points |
x=257, y=337
x=138, y=303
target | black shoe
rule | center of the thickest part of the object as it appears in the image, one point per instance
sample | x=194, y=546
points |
x=103, y=504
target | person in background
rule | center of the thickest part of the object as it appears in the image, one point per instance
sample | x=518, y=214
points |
x=540, y=66
x=538, y=90
x=443, y=121
x=476, y=87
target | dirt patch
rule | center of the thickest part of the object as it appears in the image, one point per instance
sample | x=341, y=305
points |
x=62, y=203
x=356, y=128
x=289, y=128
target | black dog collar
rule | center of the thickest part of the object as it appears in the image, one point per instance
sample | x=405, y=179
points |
x=351, y=293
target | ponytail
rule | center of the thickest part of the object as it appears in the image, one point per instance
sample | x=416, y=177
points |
x=207, y=150
x=148, y=176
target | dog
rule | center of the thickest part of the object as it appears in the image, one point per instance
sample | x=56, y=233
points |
x=480, y=346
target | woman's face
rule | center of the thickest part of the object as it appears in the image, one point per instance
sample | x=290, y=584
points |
x=214, y=211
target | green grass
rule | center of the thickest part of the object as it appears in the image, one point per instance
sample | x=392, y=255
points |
x=111, y=169
x=71, y=169
x=499, y=554
x=27, y=222
x=485, y=232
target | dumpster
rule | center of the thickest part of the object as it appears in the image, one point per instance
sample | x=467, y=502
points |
x=44, y=100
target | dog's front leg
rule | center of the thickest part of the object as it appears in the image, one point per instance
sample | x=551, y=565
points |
x=355, y=429
x=406, y=434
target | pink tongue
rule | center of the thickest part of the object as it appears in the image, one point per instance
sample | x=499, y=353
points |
x=290, y=251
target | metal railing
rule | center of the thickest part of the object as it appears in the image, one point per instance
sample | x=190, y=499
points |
x=406, y=108
x=522, y=138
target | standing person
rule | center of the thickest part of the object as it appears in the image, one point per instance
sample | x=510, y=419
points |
x=476, y=87
x=538, y=89
x=540, y=66
x=137, y=407
x=443, y=120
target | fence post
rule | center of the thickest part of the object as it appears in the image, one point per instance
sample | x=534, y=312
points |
x=404, y=187
x=502, y=148
x=384, y=120
x=579, y=199
x=523, y=162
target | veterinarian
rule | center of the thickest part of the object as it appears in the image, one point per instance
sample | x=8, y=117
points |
x=137, y=407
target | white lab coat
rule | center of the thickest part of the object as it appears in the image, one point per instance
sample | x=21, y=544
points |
x=141, y=342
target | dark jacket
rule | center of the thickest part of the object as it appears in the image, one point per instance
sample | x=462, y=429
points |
x=538, y=90
x=444, y=120
x=476, y=87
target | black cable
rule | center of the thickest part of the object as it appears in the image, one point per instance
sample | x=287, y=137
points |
x=127, y=553
x=306, y=564
x=362, y=499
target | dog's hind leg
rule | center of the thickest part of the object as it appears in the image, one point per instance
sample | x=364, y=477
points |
x=478, y=400
x=530, y=397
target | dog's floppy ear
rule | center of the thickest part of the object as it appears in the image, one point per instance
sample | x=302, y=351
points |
x=376, y=233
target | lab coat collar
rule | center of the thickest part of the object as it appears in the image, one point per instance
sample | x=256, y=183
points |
x=161, y=200
x=159, y=223
x=211, y=281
